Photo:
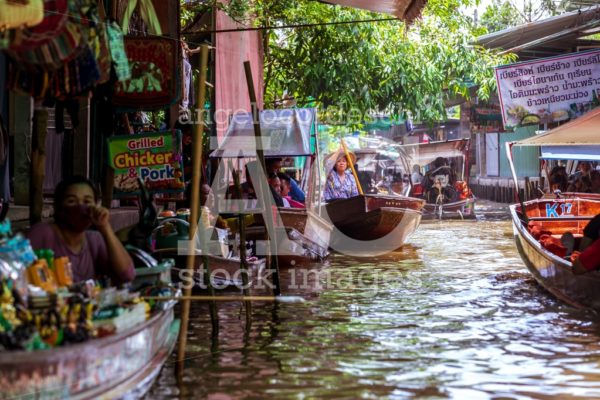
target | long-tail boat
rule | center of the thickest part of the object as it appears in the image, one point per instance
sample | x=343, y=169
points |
x=451, y=200
x=123, y=365
x=380, y=217
x=539, y=224
x=540, y=248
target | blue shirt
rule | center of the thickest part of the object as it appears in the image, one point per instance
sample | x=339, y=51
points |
x=336, y=189
x=295, y=192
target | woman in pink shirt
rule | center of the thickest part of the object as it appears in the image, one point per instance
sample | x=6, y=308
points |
x=92, y=253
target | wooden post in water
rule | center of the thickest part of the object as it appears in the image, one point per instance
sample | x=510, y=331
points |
x=263, y=191
x=243, y=260
x=195, y=207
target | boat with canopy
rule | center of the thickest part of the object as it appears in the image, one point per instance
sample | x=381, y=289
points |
x=380, y=219
x=445, y=184
x=289, y=135
x=539, y=224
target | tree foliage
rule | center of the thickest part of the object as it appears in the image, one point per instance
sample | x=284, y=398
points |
x=372, y=67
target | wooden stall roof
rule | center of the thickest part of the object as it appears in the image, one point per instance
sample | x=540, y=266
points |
x=406, y=10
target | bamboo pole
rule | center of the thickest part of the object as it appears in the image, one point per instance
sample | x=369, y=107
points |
x=358, y=185
x=194, y=201
x=263, y=191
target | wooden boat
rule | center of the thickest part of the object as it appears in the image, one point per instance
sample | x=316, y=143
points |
x=460, y=203
x=553, y=272
x=388, y=219
x=123, y=365
x=302, y=236
x=566, y=212
x=463, y=209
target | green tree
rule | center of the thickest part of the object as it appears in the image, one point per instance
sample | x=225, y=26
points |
x=500, y=15
x=371, y=67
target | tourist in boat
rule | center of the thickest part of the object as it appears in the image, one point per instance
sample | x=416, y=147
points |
x=587, y=257
x=440, y=180
x=285, y=180
x=92, y=253
x=273, y=165
x=416, y=177
x=340, y=182
x=595, y=179
x=558, y=179
x=582, y=184
x=583, y=169
x=275, y=187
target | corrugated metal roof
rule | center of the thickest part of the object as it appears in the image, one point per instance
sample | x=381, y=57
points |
x=560, y=32
x=406, y=10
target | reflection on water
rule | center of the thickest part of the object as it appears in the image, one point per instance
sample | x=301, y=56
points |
x=453, y=315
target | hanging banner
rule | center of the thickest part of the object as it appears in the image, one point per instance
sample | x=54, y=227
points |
x=153, y=157
x=550, y=89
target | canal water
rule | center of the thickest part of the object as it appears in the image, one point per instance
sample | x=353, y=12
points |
x=454, y=314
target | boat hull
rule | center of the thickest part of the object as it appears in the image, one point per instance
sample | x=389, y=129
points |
x=552, y=272
x=302, y=237
x=384, y=221
x=224, y=272
x=121, y=365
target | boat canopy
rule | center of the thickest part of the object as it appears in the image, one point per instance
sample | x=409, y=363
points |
x=576, y=140
x=426, y=153
x=284, y=133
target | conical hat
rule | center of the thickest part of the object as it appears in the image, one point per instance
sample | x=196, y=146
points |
x=332, y=158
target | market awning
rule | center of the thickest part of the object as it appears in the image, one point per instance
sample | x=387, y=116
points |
x=584, y=130
x=406, y=10
x=575, y=140
x=285, y=133
x=425, y=153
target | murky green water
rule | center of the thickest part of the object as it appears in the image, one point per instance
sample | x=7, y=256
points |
x=453, y=315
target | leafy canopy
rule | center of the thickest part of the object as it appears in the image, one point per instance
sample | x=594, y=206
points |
x=371, y=67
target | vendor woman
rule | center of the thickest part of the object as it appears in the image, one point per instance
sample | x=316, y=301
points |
x=92, y=253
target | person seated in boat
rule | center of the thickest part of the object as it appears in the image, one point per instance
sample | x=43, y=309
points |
x=92, y=253
x=440, y=181
x=583, y=169
x=586, y=257
x=595, y=182
x=558, y=179
x=273, y=165
x=275, y=187
x=285, y=180
x=416, y=177
x=340, y=182
x=582, y=184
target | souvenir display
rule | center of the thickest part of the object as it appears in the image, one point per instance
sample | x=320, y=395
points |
x=41, y=307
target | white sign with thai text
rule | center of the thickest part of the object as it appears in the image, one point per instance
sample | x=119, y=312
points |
x=550, y=89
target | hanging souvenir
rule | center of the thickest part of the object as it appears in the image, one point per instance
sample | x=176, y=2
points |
x=20, y=13
x=154, y=61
